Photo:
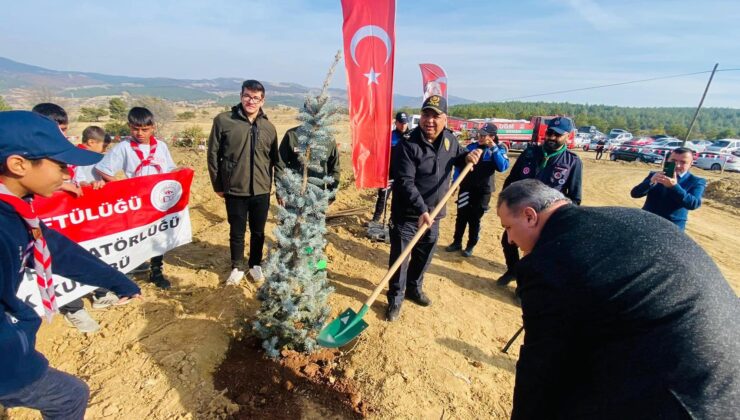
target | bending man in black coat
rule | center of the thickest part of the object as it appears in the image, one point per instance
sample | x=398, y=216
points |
x=635, y=322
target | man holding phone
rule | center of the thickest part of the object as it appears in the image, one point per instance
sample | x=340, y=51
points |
x=673, y=192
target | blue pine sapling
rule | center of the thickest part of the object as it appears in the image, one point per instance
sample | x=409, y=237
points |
x=295, y=293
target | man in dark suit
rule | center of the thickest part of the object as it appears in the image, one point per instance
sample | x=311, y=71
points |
x=673, y=196
x=635, y=322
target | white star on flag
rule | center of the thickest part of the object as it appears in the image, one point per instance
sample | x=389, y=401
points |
x=372, y=77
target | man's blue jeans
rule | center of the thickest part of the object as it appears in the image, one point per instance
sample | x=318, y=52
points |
x=57, y=395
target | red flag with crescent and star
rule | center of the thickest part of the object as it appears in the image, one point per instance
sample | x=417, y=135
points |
x=434, y=80
x=369, y=49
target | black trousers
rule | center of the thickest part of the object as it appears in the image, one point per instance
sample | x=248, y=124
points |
x=380, y=203
x=599, y=153
x=511, y=253
x=409, y=278
x=240, y=211
x=471, y=205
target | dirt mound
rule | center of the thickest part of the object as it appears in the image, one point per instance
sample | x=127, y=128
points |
x=297, y=386
x=725, y=190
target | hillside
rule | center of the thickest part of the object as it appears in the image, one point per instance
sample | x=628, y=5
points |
x=20, y=82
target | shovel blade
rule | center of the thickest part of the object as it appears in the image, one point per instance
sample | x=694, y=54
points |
x=342, y=330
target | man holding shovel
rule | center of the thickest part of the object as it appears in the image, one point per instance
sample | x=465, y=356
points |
x=421, y=179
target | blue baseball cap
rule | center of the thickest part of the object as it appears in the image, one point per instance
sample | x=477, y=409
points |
x=33, y=136
x=560, y=125
x=489, y=129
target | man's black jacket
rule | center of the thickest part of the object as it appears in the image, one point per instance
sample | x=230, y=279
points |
x=562, y=172
x=422, y=173
x=633, y=321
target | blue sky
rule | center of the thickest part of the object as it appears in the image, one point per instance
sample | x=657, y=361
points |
x=491, y=50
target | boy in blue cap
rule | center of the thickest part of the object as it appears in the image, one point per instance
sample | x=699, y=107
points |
x=34, y=155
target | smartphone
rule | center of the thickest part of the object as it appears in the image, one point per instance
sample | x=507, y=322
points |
x=669, y=169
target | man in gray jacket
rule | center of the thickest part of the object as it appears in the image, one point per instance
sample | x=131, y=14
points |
x=242, y=152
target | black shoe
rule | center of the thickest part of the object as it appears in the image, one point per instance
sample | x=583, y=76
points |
x=159, y=280
x=505, y=279
x=468, y=252
x=393, y=312
x=421, y=299
x=455, y=246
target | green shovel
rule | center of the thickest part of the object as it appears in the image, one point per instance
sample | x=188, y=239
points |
x=349, y=324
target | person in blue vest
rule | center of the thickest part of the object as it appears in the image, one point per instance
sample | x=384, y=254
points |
x=672, y=197
x=475, y=191
x=553, y=164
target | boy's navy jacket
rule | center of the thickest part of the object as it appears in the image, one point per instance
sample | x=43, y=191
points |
x=491, y=160
x=672, y=203
x=563, y=172
x=20, y=363
x=422, y=174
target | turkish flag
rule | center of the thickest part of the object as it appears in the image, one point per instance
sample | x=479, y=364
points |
x=369, y=41
x=434, y=80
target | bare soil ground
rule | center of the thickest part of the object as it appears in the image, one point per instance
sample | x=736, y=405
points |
x=157, y=358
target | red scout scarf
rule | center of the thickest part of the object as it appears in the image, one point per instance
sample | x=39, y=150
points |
x=71, y=168
x=149, y=159
x=41, y=255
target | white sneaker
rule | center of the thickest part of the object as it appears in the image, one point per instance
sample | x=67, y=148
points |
x=103, y=302
x=235, y=277
x=82, y=321
x=256, y=273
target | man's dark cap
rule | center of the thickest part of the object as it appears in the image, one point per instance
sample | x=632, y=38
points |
x=560, y=125
x=489, y=129
x=402, y=118
x=436, y=103
x=34, y=136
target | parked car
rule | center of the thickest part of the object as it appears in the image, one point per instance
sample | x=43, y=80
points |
x=590, y=132
x=582, y=139
x=657, y=137
x=617, y=131
x=700, y=145
x=724, y=146
x=640, y=142
x=592, y=145
x=632, y=153
x=619, y=137
x=669, y=144
x=718, y=161
x=587, y=129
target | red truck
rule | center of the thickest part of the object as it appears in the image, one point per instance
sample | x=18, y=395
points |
x=517, y=134
x=512, y=134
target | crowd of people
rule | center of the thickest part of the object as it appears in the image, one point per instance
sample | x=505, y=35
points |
x=652, y=332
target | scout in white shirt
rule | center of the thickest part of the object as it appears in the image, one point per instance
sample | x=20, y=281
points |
x=140, y=156
x=95, y=140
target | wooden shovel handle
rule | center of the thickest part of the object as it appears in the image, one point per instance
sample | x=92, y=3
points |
x=415, y=239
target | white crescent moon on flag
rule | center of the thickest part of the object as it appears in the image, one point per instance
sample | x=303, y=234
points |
x=441, y=80
x=366, y=31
